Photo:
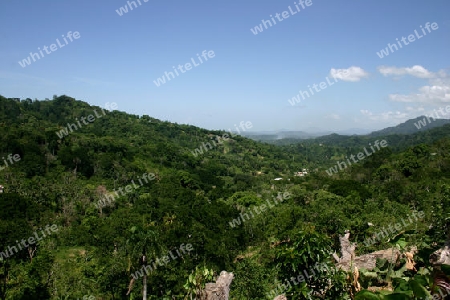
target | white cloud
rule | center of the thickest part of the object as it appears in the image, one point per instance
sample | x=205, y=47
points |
x=436, y=92
x=416, y=71
x=365, y=112
x=333, y=116
x=430, y=94
x=387, y=117
x=352, y=74
x=415, y=109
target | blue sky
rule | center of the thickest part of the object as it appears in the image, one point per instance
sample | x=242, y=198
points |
x=251, y=77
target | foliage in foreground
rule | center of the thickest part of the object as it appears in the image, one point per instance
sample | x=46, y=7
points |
x=193, y=199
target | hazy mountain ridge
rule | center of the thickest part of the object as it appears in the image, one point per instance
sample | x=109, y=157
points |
x=396, y=134
x=412, y=126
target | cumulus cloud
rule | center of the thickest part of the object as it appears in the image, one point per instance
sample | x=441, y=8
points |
x=431, y=94
x=437, y=91
x=416, y=71
x=352, y=74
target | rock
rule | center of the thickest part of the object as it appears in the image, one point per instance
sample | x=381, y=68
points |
x=441, y=256
x=347, y=248
x=366, y=261
x=219, y=290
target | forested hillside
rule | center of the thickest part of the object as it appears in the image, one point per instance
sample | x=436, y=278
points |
x=100, y=203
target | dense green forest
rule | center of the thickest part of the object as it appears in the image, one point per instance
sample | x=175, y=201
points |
x=81, y=209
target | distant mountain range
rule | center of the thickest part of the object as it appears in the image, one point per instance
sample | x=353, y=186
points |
x=411, y=126
x=421, y=123
x=290, y=134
